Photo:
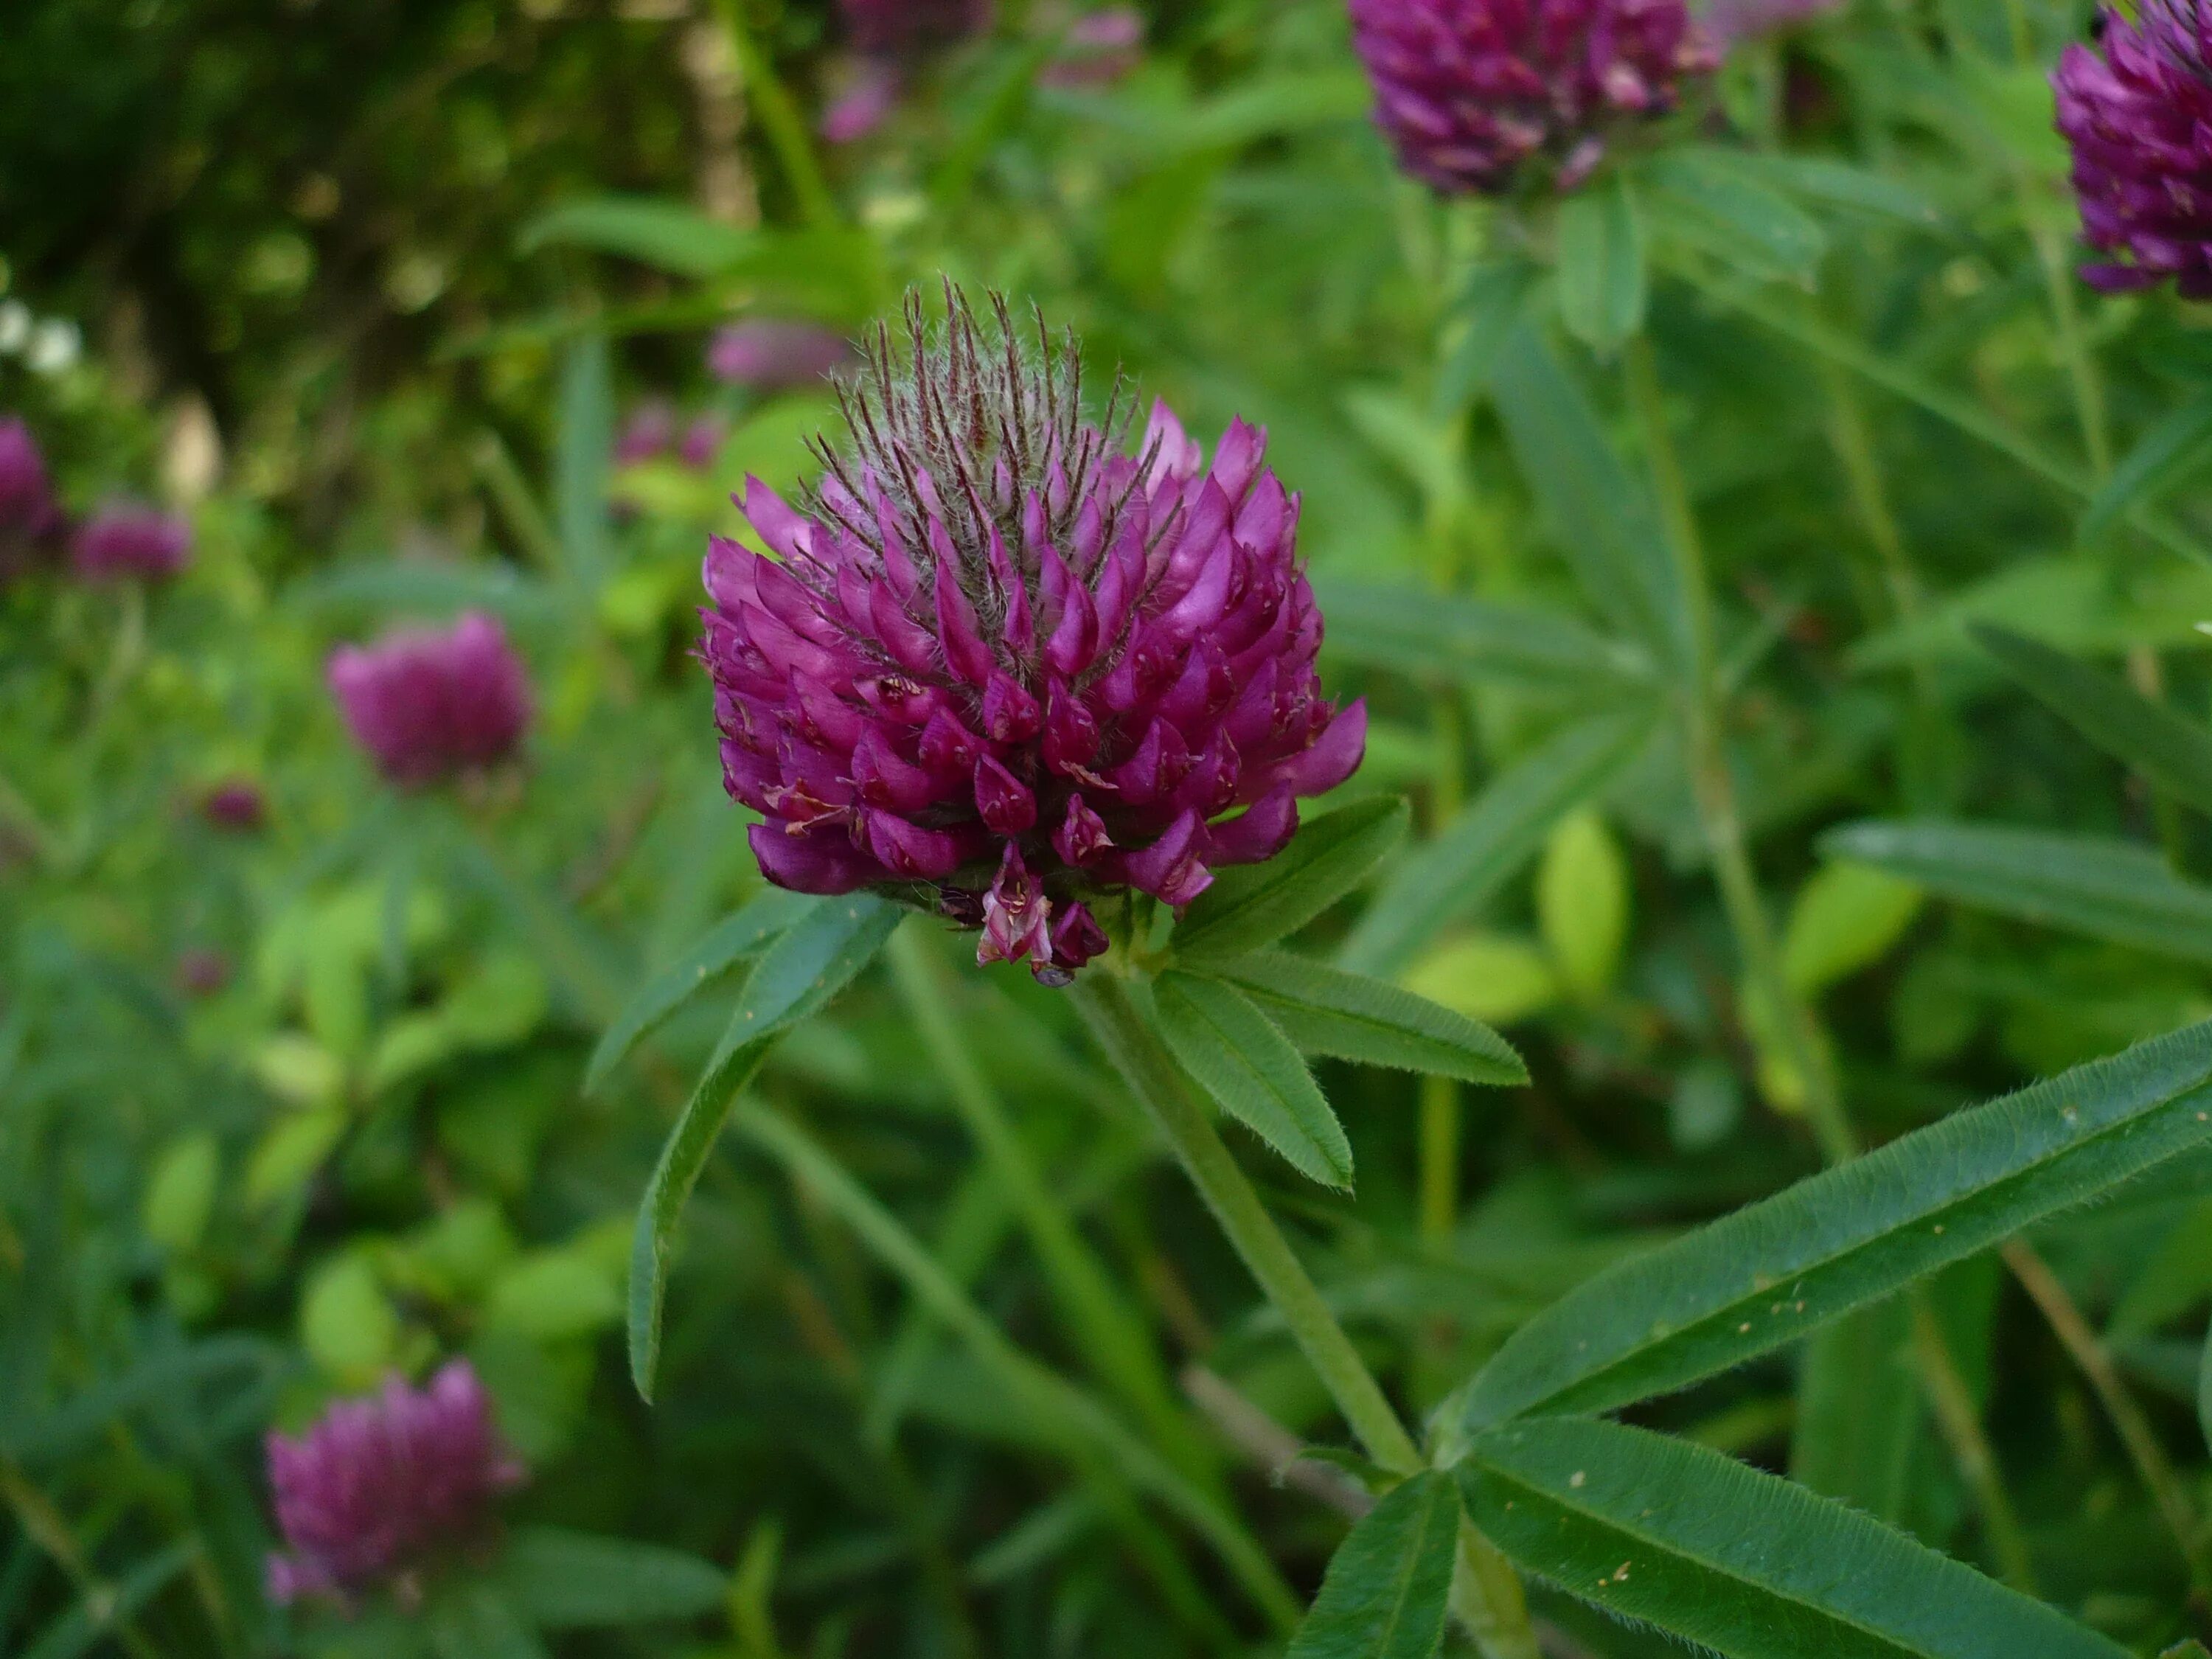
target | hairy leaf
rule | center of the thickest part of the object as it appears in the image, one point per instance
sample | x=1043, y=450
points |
x=1770, y=1274
x=1408, y=630
x=1389, y=1583
x=1252, y=1072
x=1601, y=264
x=1325, y=1011
x=1661, y=1531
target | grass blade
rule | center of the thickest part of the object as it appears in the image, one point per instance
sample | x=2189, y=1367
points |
x=1661, y=1531
x=2166, y=452
x=1773, y=1272
x=1411, y=631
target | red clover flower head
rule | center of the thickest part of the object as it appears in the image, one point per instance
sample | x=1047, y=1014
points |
x=127, y=540
x=30, y=518
x=366, y=1495
x=2139, y=117
x=1098, y=49
x=773, y=354
x=998, y=661
x=236, y=804
x=428, y=704
x=895, y=27
x=1485, y=96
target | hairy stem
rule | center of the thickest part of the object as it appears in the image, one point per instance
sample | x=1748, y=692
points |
x=1488, y=1595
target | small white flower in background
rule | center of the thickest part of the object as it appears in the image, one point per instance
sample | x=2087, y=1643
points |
x=54, y=348
x=14, y=326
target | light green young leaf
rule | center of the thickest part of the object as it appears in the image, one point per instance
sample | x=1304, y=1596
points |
x=1602, y=277
x=1845, y=917
x=1414, y=632
x=1495, y=979
x=1256, y=904
x=1492, y=839
x=1324, y=1011
x=1582, y=902
x=2167, y=452
x=1775, y=1271
x=745, y=933
x=1660, y=1531
x=2107, y=888
x=1599, y=517
x=798, y=976
x=1252, y=1072
x=2173, y=753
x=1388, y=1585
x=561, y=1580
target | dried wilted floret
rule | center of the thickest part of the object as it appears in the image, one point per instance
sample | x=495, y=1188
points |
x=999, y=658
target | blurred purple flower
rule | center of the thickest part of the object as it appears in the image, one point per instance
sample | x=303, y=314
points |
x=771, y=355
x=1000, y=658
x=1486, y=96
x=428, y=704
x=894, y=27
x=1731, y=24
x=30, y=518
x=868, y=95
x=236, y=804
x=384, y=1485
x=702, y=441
x=1099, y=48
x=202, y=972
x=2139, y=118
x=647, y=433
x=124, y=539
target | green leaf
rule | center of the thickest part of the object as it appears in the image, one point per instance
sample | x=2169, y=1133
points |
x=1424, y=635
x=1602, y=275
x=1659, y=1531
x=1494, y=978
x=1582, y=902
x=1495, y=296
x=2191, y=1648
x=1838, y=184
x=1713, y=199
x=2204, y=1389
x=1388, y=1585
x=2167, y=453
x=91, y=1622
x=1858, y=1411
x=181, y=1192
x=1599, y=516
x=475, y=1622
x=1252, y=1072
x=1490, y=841
x=2173, y=753
x=798, y=976
x=563, y=1580
x=1324, y=1011
x=2107, y=888
x=582, y=458
x=738, y=936
x=1845, y=917
x=1256, y=904
x=1773, y=1272
x=665, y=234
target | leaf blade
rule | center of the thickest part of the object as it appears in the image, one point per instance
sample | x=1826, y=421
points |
x=1601, y=266
x=1656, y=1529
x=1256, y=904
x=1326, y=1010
x=1386, y=1591
x=564, y=1580
x=1249, y=1067
x=1770, y=1274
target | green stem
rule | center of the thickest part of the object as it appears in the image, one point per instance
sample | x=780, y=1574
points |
x=1490, y=1595
x=1443, y=1102
x=1709, y=779
x=1117, y=1345
x=779, y=119
x=1959, y=1421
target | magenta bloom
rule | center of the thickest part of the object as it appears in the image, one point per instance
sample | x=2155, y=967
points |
x=202, y=972
x=863, y=103
x=1099, y=48
x=2140, y=120
x=428, y=704
x=1730, y=23
x=1000, y=660
x=30, y=518
x=236, y=804
x=380, y=1487
x=647, y=433
x=1489, y=95
x=768, y=354
x=127, y=540
x=892, y=26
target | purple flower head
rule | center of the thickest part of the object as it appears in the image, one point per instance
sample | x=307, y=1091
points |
x=702, y=441
x=2139, y=118
x=236, y=804
x=428, y=704
x=381, y=1487
x=896, y=26
x=997, y=658
x=202, y=972
x=1489, y=95
x=126, y=540
x=30, y=517
x=863, y=101
x=768, y=354
x=1099, y=48
x=649, y=433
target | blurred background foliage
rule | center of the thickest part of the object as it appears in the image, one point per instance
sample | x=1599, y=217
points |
x=367, y=290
